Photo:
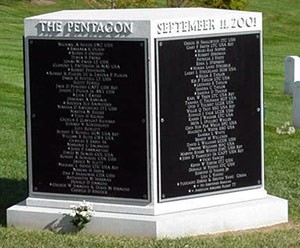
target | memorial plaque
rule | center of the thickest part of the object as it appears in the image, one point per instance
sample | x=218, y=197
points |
x=88, y=119
x=209, y=114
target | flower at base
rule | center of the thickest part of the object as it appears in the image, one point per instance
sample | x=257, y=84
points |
x=286, y=128
x=72, y=214
x=81, y=214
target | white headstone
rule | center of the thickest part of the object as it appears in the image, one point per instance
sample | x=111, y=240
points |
x=292, y=73
x=296, y=104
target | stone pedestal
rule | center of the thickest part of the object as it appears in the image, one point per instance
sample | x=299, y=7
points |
x=231, y=217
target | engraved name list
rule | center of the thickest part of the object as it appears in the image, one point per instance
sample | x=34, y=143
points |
x=88, y=117
x=218, y=115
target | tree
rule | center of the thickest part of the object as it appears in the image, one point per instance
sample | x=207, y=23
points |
x=226, y=4
x=177, y=3
x=222, y=4
x=121, y=4
x=134, y=3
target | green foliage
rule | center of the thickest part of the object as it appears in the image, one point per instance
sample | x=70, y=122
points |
x=226, y=4
x=177, y=3
x=120, y=4
x=221, y=4
x=134, y=3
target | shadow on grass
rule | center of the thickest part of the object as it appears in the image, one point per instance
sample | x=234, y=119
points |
x=11, y=192
x=62, y=225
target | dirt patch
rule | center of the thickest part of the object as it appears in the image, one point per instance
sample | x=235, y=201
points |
x=285, y=226
x=43, y=2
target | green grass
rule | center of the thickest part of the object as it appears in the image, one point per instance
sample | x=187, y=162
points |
x=281, y=38
x=12, y=237
x=282, y=153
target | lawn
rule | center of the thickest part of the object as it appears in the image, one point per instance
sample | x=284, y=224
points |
x=282, y=153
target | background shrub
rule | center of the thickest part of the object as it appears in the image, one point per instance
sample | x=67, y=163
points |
x=221, y=4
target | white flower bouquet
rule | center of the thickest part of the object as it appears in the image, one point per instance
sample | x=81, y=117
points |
x=82, y=214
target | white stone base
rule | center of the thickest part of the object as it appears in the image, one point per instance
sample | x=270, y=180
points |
x=231, y=217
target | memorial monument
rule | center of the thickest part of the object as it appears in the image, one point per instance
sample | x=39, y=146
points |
x=153, y=115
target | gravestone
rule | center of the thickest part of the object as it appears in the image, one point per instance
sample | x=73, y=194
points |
x=292, y=73
x=154, y=116
x=296, y=104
